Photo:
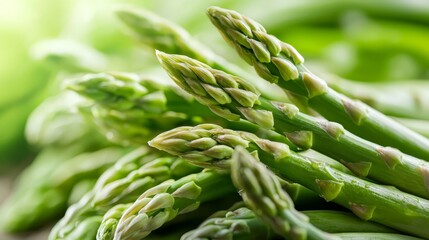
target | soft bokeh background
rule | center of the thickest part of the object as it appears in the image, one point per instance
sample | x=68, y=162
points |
x=372, y=41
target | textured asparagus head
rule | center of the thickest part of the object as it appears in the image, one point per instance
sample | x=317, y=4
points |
x=209, y=145
x=203, y=145
x=239, y=223
x=262, y=192
x=110, y=221
x=158, y=33
x=129, y=108
x=165, y=201
x=271, y=58
x=226, y=95
x=119, y=91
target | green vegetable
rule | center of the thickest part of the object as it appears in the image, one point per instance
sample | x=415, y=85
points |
x=233, y=98
x=240, y=223
x=262, y=192
x=164, y=202
x=121, y=183
x=213, y=145
x=163, y=35
x=410, y=101
x=280, y=63
x=42, y=196
x=111, y=218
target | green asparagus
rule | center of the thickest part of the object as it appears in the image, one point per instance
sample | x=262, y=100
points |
x=131, y=109
x=213, y=145
x=111, y=218
x=262, y=192
x=122, y=183
x=280, y=63
x=411, y=97
x=233, y=98
x=241, y=223
x=45, y=198
x=161, y=34
x=164, y=202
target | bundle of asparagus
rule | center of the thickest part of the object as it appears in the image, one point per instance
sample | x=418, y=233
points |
x=312, y=162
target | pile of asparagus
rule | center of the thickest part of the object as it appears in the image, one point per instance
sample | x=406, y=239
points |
x=281, y=153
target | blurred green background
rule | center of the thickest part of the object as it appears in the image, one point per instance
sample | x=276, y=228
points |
x=361, y=40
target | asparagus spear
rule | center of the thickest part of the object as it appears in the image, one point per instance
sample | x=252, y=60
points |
x=212, y=145
x=240, y=223
x=107, y=227
x=164, y=202
x=37, y=203
x=262, y=192
x=158, y=33
x=410, y=101
x=233, y=98
x=280, y=63
x=122, y=183
x=132, y=109
x=379, y=236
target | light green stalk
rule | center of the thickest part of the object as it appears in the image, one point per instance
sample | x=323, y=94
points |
x=131, y=109
x=213, y=145
x=340, y=222
x=158, y=33
x=164, y=202
x=280, y=63
x=241, y=223
x=121, y=183
x=233, y=98
x=411, y=97
x=43, y=193
x=378, y=236
x=262, y=192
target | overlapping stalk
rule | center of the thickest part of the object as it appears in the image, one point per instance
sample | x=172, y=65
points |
x=163, y=35
x=122, y=183
x=233, y=98
x=43, y=195
x=262, y=192
x=280, y=63
x=131, y=109
x=213, y=145
x=241, y=223
x=164, y=202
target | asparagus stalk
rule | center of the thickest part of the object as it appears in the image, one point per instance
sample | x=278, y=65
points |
x=164, y=202
x=340, y=222
x=40, y=200
x=410, y=101
x=213, y=145
x=132, y=109
x=122, y=183
x=233, y=98
x=262, y=192
x=240, y=223
x=280, y=63
x=379, y=236
x=157, y=33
